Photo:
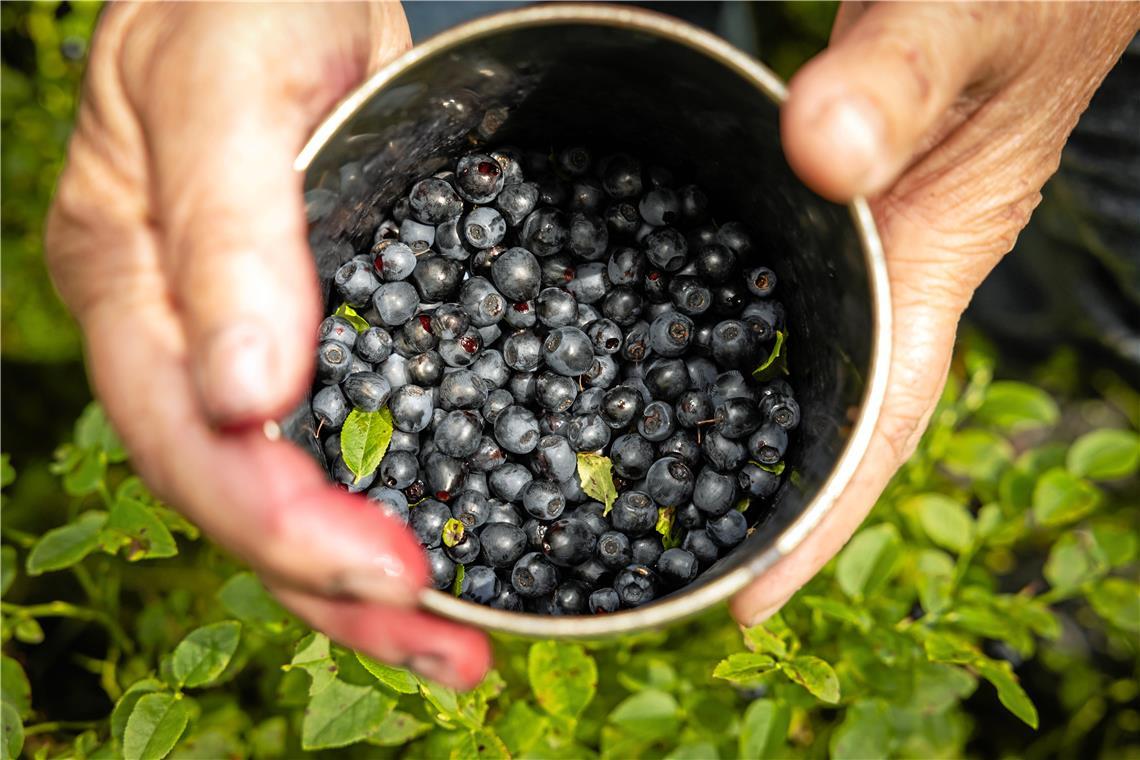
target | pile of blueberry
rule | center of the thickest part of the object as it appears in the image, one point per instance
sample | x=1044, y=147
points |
x=527, y=308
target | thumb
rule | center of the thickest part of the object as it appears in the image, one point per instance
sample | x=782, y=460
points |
x=227, y=94
x=859, y=112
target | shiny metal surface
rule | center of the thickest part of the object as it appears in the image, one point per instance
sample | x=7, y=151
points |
x=633, y=80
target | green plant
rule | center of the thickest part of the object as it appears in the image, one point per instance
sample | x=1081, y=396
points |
x=883, y=653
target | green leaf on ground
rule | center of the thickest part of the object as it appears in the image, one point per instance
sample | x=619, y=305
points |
x=244, y=597
x=126, y=705
x=364, y=438
x=868, y=560
x=777, y=361
x=815, y=675
x=1061, y=497
x=312, y=655
x=522, y=728
x=343, y=713
x=647, y=714
x=205, y=652
x=349, y=313
x=1118, y=601
x=134, y=525
x=155, y=725
x=595, y=473
x=1105, y=454
x=764, y=729
x=744, y=668
x=979, y=455
x=396, y=679
x=397, y=729
x=946, y=521
x=1014, y=406
x=1073, y=559
x=65, y=546
x=563, y=677
x=864, y=733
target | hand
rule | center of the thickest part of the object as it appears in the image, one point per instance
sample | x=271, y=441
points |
x=950, y=117
x=178, y=239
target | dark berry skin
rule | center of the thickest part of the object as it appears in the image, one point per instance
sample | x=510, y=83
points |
x=614, y=549
x=682, y=445
x=545, y=231
x=441, y=569
x=729, y=298
x=722, y=453
x=716, y=264
x=761, y=281
x=543, y=500
x=503, y=544
x=517, y=275
x=341, y=330
x=666, y=249
x=634, y=513
x=508, y=599
x=632, y=456
x=533, y=576
x=784, y=412
x=670, y=482
x=689, y=517
x=591, y=572
x=693, y=407
x=732, y=344
x=426, y=521
x=756, y=482
x=690, y=296
x=701, y=546
x=334, y=361
x=480, y=584
x=620, y=406
x=479, y=178
x=568, y=542
x=768, y=444
x=737, y=417
x=714, y=492
x=604, y=600
x=570, y=598
x=646, y=550
x=330, y=407
x=622, y=219
x=677, y=567
x=635, y=585
x=436, y=278
x=728, y=530
x=471, y=508
x=433, y=201
x=656, y=423
x=516, y=201
x=667, y=379
x=465, y=550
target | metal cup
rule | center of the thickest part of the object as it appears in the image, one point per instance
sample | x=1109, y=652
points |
x=672, y=94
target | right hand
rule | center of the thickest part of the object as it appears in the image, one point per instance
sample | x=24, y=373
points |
x=178, y=239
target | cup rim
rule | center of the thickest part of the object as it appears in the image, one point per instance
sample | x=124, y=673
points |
x=682, y=605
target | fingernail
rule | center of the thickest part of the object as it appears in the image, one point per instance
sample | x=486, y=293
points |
x=237, y=371
x=434, y=668
x=380, y=581
x=854, y=128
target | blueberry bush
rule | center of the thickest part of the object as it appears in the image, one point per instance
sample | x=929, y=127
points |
x=994, y=585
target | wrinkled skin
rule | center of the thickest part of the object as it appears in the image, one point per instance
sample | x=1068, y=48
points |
x=178, y=228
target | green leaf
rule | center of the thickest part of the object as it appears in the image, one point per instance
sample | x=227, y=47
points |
x=760, y=639
x=205, y=652
x=864, y=733
x=244, y=597
x=1060, y=497
x=775, y=469
x=1104, y=455
x=396, y=679
x=155, y=725
x=343, y=713
x=777, y=361
x=398, y=729
x=312, y=655
x=744, y=668
x=522, y=728
x=868, y=561
x=29, y=631
x=647, y=714
x=563, y=677
x=667, y=527
x=815, y=675
x=65, y=546
x=8, y=568
x=93, y=431
x=89, y=471
x=1010, y=693
x=13, y=739
x=1013, y=407
x=126, y=705
x=7, y=471
x=1074, y=559
x=139, y=529
x=364, y=438
x=1118, y=601
x=942, y=646
x=696, y=751
x=764, y=728
x=453, y=531
x=947, y=523
x=480, y=743
x=14, y=686
x=977, y=454
x=457, y=584
x=349, y=313
x=267, y=738
x=838, y=610
x=595, y=473
x=934, y=579
x=1116, y=540
x=939, y=686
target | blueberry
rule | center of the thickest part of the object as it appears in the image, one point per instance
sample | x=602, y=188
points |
x=574, y=161
x=411, y=408
x=395, y=303
x=330, y=407
x=603, y=372
x=444, y=476
x=517, y=275
x=689, y=295
x=502, y=512
x=655, y=286
x=483, y=304
x=355, y=282
x=554, y=459
x=761, y=281
x=698, y=543
x=626, y=266
x=677, y=567
x=568, y=351
x=614, y=549
x=414, y=337
x=634, y=513
x=588, y=237
x=398, y=469
x=426, y=521
x=461, y=351
x=433, y=201
x=471, y=508
x=480, y=584
x=756, y=482
x=425, y=369
x=543, y=500
x=509, y=160
x=449, y=321
x=635, y=348
x=604, y=600
x=588, y=432
x=533, y=576
x=516, y=430
x=556, y=308
x=670, y=482
x=693, y=203
x=508, y=599
x=535, y=531
x=591, y=572
x=621, y=176
x=334, y=361
x=623, y=305
x=635, y=585
x=555, y=393
x=646, y=550
x=714, y=492
x=374, y=345
x=339, y=329
x=620, y=406
x=450, y=242
x=568, y=542
x=441, y=570
x=729, y=298
x=437, y=278
x=490, y=367
x=659, y=206
x=544, y=231
x=522, y=351
x=689, y=517
x=605, y=336
x=589, y=401
x=516, y=201
x=693, y=407
x=586, y=194
x=667, y=379
x=732, y=344
x=670, y=334
x=554, y=423
x=783, y=411
x=367, y=391
x=666, y=248
x=722, y=453
x=570, y=598
x=521, y=385
x=768, y=444
x=656, y=423
x=590, y=283
x=503, y=544
x=466, y=549
x=728, y=530
x=462, y=389
x=731, y=384
x=459, y=434
x=418, y=237
x=632, y=456
x=484, y=227
x=735, y=237
x=479, y=178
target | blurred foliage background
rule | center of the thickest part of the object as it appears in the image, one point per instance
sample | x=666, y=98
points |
x=1085, y=680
